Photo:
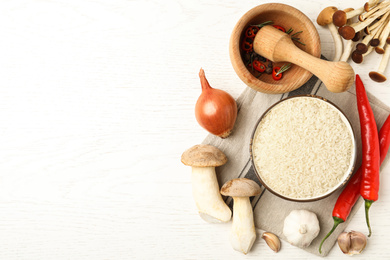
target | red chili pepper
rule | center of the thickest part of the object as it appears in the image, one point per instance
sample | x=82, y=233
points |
x=279, y=28
x=246, y=45
x=384, y=139
x=370, y=163
x=351, y=192
x=257, y=65
x=275, y=74
x=251, y=31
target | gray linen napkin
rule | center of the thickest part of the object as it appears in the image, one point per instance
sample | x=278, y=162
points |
x=270, y=210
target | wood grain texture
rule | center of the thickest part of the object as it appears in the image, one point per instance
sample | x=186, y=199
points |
x=283, y=15
x=97, y=105
x=277, y=46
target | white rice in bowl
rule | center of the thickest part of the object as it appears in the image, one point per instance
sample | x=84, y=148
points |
x=303, y=148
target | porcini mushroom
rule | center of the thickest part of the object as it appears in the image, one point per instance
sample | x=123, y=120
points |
x=205, y=189
x=378, y=75
x=349, y=31
x=325, y=19
x=243, y=233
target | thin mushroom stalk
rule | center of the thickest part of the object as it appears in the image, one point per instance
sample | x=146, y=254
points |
x=375, y=39
x=337, y=42
x=349, y=31
x=362, y=47
x=325, y=19
x=368, y=5
x=383, y=38
x=378, y=75
x=371, y=12
x=347, y=50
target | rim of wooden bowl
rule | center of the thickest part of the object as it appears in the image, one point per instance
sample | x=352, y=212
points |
x=235, y=53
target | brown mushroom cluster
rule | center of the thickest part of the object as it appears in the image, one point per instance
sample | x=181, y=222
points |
x=364, y=30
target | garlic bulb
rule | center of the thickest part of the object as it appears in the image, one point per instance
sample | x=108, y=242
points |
x=301, y=227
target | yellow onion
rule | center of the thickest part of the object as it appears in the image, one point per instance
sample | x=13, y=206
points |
x=215, y=110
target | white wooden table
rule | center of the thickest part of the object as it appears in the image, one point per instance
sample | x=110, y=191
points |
x=96, y=106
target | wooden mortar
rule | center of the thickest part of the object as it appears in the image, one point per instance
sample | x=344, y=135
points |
x=277, y=46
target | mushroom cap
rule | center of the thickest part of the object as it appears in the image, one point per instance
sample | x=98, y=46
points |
x=361, y=48
x=379, y=50
x=339, y=18
x=357, y=57
x=203, y=155
x=378, y=77
x=241, y=187
x=374, y=42
x=356, y=38
x=347, y=32
x=325, y=17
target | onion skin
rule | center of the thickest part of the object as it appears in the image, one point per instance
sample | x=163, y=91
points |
x=215, y=110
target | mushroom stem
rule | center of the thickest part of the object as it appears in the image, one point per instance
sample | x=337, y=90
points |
x=362, y=46
x=338, y=43
x=205, y=190
x=364, y=16
x=368, y=5
x=383, y=37
x=354, y=13
x=378, y=75
x=375, y=39
x=243, y=233
x=348, y=46
x=371, y=29
x=370, y=49
x=325, y=19
x=348, y=31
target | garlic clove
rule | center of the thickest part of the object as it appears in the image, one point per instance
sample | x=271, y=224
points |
x=344, y=242
x=359, y=242
x=352, y=243
x=272, y=241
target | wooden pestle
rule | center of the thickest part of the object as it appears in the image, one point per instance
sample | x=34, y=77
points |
x=277, y=46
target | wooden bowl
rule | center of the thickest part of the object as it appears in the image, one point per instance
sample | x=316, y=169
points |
x=287, y=17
